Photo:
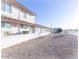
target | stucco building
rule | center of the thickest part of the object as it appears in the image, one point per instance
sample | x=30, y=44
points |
x=17, y=19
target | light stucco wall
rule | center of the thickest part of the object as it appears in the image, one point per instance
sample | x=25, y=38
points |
x=30, y=18
x=15, y=12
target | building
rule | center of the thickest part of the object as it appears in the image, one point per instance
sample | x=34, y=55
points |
x=17, y=19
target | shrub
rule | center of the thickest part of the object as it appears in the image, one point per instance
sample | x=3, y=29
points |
x=25, y=32
x=57, y=30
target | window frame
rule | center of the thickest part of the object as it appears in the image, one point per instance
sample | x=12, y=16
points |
x=7, y=7
x=6, y=24
x=23, y=14
x=2, y=24
x=3, y=5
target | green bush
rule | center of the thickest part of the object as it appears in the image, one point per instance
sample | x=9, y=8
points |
x=57, y=30
x=25, y=32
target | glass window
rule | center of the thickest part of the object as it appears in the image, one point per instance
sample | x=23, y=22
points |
x=7, y=25
x=21, y=25
x=5, y=6
x=23, y=14
x=2, y=5
x=2, y=24
x=8, y=7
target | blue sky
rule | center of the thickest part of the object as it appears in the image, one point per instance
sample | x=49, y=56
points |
x=59, y=13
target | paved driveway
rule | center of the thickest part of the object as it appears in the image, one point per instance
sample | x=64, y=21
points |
x=53, y=46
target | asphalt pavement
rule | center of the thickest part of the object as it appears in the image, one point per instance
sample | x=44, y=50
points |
x=53, y=46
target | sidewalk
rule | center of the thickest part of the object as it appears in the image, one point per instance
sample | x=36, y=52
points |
x=15, y=39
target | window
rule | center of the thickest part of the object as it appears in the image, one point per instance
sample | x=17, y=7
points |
x=2, y=24
x=2, y=5
x=8, y=8
x=21, y=25
x=5, y=25
x=23, y=14
x=5, y=6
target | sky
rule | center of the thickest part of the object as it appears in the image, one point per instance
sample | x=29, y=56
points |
x=58, y=13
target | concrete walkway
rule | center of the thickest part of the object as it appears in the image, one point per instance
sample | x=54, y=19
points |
x=54, y=46
x=15, y=39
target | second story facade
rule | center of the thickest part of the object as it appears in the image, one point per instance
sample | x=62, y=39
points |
x=13, y=9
